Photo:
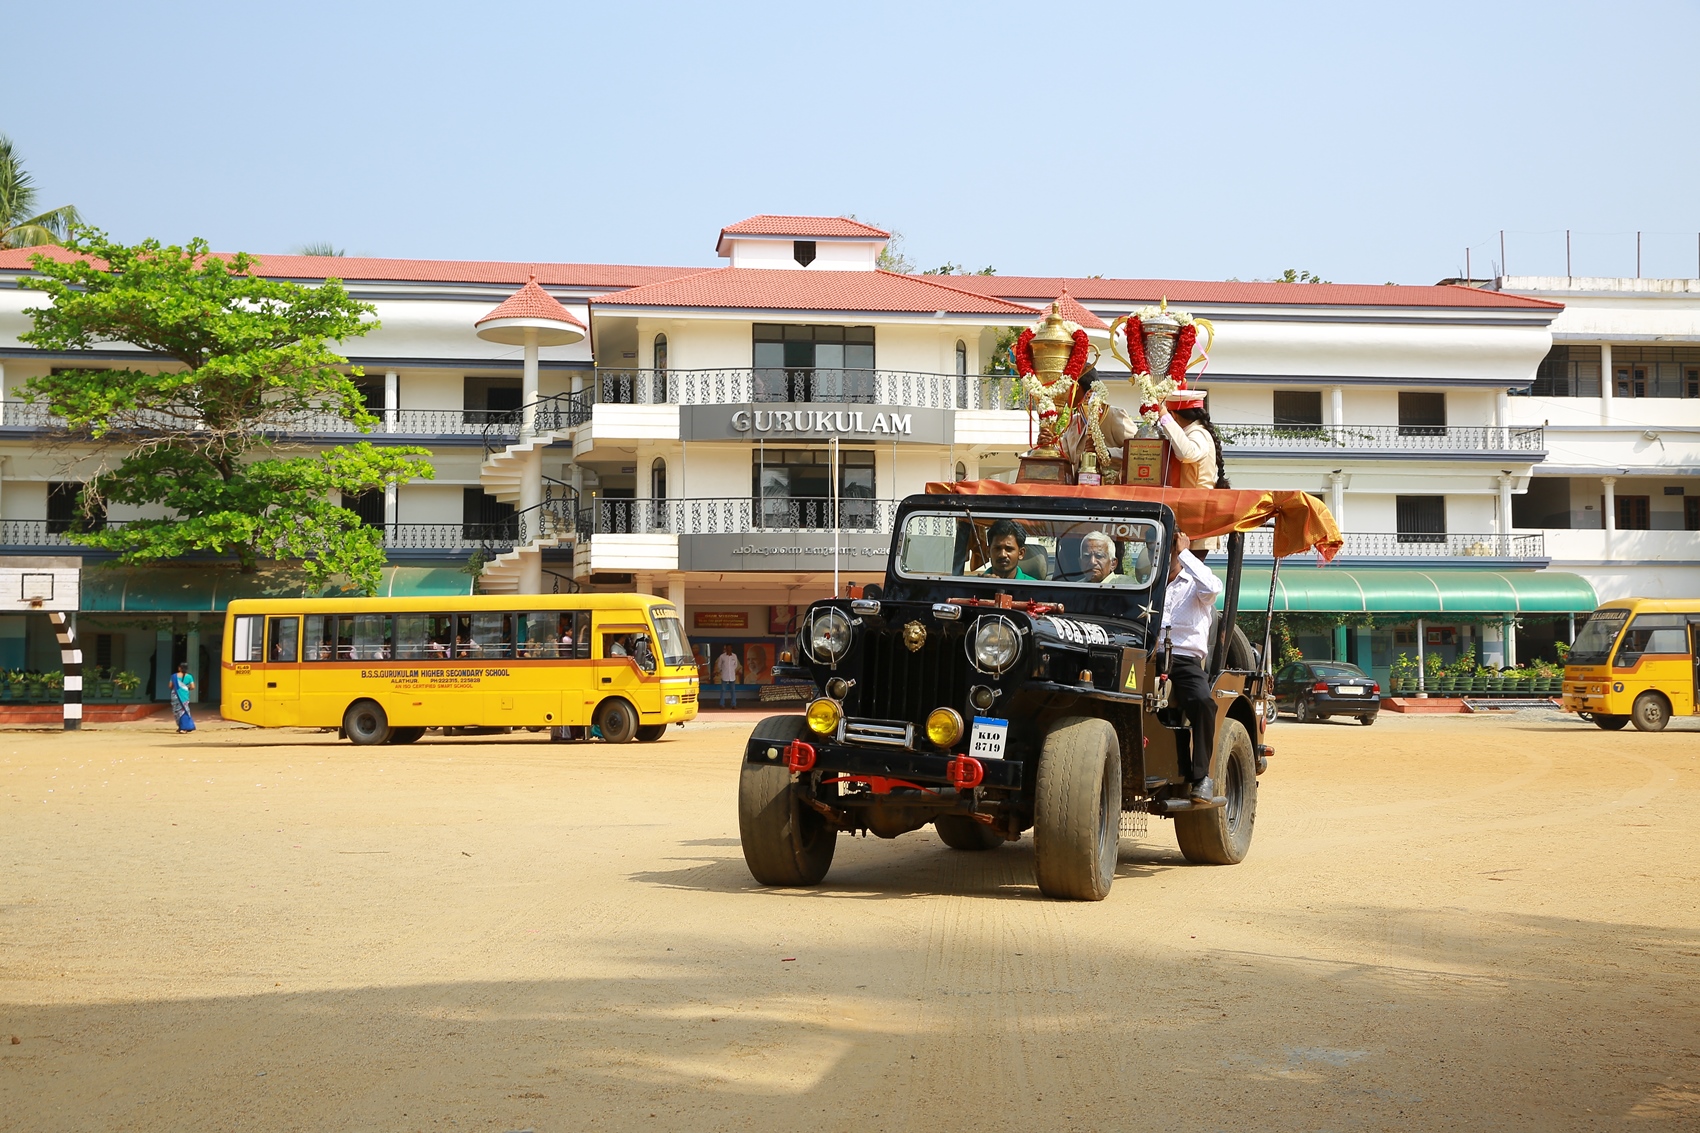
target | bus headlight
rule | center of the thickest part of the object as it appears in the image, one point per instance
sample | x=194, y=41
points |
x=827, y=639
x=994, y=645
x=823, y=716
x=944, y=726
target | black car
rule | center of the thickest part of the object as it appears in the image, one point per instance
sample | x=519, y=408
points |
x=986, y=707
x=1316, y=690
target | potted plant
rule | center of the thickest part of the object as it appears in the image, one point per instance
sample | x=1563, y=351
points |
x=1403, y=673
x=126, y=683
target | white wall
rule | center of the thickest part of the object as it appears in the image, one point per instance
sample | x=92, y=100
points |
x=779, y=253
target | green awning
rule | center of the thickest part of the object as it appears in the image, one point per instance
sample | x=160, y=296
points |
x=188, y=590
x=1418, y=592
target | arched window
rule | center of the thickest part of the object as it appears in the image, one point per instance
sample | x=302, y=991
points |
x=961, y=375
x=660, y=370
x=658, y=479
x=961, y=471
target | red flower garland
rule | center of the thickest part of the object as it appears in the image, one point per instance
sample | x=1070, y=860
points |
x=1183, y=353
x=1024, y=353
x=1077, y=356
x=1136, y=345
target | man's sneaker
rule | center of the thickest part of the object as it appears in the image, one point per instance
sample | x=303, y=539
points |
x=1203, y=792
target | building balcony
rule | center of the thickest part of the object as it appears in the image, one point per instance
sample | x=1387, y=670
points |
x=492, y=427
x=1407, y=549
x=1524, y=444
x=807, y=386
x=403, y=540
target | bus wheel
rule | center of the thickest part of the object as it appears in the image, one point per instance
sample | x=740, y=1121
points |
x=1609, y=723
x=617, y=721
x=649, y=733
x=405, y=735
x=365, y=723
x=1651, y=713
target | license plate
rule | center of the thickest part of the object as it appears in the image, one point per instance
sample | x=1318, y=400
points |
x=1349, y=690
x=987, y=739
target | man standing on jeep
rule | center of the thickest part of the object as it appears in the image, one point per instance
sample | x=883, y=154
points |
x=1187, y=608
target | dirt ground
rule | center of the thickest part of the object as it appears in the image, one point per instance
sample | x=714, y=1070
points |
x=1470, y=923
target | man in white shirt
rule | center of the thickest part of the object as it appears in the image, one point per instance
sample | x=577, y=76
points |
x=727, y=668
x=1187, y=608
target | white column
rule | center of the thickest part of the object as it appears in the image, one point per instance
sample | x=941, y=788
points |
x=676, y=592
x=1502, y=416
x=644, y=494
x=1505, y=483
x=1607, y=382
x=529, y=387
x=390, y=491
x=1336, y=405
x=643, y=584
x=1422, y=678
x=392, y=400
x=1610, y=505
x=2, y=393
x=1337, y=497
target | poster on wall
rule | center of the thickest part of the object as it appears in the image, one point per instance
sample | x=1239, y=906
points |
x=782, y=620
x=758, y=664
x=720, y=619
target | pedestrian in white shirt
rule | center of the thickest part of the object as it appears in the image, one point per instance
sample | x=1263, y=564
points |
x=1187, y=607
x=727, y=668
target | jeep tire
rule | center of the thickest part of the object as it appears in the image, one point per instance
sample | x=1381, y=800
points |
x=1077, y=809
x=1222, y=836
x=786, y=842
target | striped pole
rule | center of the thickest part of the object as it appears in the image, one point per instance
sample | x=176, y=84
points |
x=72, y=658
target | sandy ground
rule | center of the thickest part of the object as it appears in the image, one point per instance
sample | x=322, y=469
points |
x=1471, y=923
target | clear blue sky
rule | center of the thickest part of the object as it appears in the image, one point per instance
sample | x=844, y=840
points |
x=1365, y=142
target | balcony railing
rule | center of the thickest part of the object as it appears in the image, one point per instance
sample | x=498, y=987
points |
x=1388, y=438
x=800, y=385
x=488, y=423
x=736, y=516
x=1406, y=545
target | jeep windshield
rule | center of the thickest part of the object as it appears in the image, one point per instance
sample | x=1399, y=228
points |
x=1028, y=550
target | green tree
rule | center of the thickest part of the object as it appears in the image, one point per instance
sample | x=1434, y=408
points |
x=20, y=225
x=1292, y=276
x=322, y=248
x=203, y=439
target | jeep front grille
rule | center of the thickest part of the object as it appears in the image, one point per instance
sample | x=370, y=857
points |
x=890, y=733
x=899, y=685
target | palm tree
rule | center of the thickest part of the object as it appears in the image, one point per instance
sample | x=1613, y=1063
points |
x=322, y=248
x=18, y=227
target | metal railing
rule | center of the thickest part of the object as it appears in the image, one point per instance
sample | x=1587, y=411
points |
x=1424, y=545
x=806, y=385
x=735, y=516
x=1391, y=438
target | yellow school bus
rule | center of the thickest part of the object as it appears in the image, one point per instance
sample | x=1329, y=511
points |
x=386, y=669
x=1636, y=661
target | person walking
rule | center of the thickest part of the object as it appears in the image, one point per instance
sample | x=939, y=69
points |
x=182, y=684
x=728, y=669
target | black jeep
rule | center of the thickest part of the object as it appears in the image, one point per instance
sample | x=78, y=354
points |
x=989, y=705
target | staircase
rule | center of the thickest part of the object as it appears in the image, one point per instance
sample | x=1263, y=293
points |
x=547, y=525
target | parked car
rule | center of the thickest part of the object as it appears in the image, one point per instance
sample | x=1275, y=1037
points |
x=1316, y=690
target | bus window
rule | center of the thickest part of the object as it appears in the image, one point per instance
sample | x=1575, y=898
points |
x=492, y=635
x=371, y=637
x=412, y=637
x=344, y=638
x=614, y=645
x=538, y=633
x=575, y=631
x=283, y=631
x=675, y=646
x=320, y=632
x=1653, y=633
x=245, y=642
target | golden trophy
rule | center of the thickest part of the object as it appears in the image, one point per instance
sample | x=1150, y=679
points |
x=1049, y=360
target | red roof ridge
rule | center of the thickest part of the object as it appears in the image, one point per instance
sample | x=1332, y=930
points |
x=531, y=302
x=933, y=281
x=791, y=224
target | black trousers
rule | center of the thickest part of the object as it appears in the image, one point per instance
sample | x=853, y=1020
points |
x=1191, y=690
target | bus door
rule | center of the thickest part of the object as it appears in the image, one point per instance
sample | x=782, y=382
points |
x=1694, y=657
x=617, y=667
x=283, y=671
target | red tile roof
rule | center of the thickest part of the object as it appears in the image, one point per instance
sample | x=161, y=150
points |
x=802, y=227
x=531, y=302
x=1184, y=291
x=1075, y=313
x=799, y=290
x=368, y=269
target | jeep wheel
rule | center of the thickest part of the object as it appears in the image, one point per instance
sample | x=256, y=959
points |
x=1609, y=723
x=785, y=841
x=649, y=733
x=1077, y=812
x=1223, y=835
x=365, y=723
x=960, y=832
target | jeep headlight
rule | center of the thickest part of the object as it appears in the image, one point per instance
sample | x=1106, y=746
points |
x=994, y=645
x=828, y=637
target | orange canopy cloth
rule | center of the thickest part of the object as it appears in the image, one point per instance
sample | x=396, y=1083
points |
x=1301, y=520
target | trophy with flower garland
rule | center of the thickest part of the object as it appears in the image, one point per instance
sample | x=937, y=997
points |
x=1159, y=341
x=1049, y=360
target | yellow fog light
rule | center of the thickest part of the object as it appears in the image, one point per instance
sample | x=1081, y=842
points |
x=944, y=726
x=823, y=716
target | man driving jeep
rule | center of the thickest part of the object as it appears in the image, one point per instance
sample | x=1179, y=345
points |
x=1007, y=543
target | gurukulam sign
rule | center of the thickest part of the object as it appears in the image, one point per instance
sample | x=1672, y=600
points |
x=789, y=551
x=797, y=423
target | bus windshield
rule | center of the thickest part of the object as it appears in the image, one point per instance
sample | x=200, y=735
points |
x=1593, y=644
x=675, y=647
x=1034, y=549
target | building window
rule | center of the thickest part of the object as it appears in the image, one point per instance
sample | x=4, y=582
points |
x=803, y=251
x=484, y=518
x=1298, y=408
x=810, y=363
x=1422, y=414
x=1691, y=513
x=491, y=400
x=1655, y=371
x=65, y=512
x=961, y=374
x=793, y=487
x=1568, y=371
x=658, y=479
x=1634, y=513
x=660, y=352
x=1420, y=519
x=369, y=506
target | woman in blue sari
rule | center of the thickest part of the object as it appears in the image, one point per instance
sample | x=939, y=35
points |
x=182, y=684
